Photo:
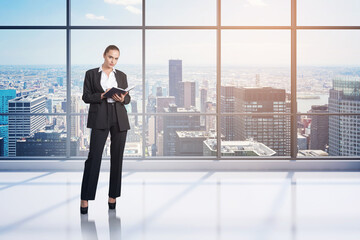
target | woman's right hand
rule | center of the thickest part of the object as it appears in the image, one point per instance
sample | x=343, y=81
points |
x=102, y=95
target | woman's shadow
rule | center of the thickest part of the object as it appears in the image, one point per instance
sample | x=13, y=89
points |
x=88, y=228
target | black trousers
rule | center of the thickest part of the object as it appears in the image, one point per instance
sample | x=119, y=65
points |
x=92, y=164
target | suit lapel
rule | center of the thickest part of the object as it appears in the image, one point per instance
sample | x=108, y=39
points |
x=118, y=79
x=98, y=79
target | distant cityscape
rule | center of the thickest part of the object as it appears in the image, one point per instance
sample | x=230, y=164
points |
x=179, y=94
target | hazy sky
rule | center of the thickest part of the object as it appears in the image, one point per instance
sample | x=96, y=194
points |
x=194, y=47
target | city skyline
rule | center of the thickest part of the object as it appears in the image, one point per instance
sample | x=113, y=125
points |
x=51, y=83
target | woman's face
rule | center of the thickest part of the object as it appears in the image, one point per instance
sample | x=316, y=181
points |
x=111, y=58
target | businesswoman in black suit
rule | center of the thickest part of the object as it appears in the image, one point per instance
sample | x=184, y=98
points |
x=105, y=115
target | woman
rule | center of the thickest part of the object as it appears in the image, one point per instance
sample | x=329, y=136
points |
x=105, y=114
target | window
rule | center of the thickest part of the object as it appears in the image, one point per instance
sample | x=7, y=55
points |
x=201, y=89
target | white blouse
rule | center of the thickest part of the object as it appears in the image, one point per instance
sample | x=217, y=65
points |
x=108, y=82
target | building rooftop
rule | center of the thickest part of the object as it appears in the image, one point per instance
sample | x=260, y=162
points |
x=312, y=153
x=27, y=98
x=232, y=146
x=197, y=134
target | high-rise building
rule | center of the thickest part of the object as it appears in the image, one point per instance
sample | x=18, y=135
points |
x=75, y=120
x=186, y=94
x=203, y=99
x=344, y=131
x=227, y=105
x=25, y=125
x=159, y=91
x=161, y=104
x=175, y=76
x=5, y=96
x=60, y=81
x=273, y=131
x=174, y=123
x=319, y=128
x=2, y=150
x=134, y=109
x=4, y=132
x=46, y=143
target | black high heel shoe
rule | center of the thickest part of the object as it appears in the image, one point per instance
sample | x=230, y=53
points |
x=84, y=210
x=112, y=205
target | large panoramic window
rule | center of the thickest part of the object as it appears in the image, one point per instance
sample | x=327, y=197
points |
x=214, y=79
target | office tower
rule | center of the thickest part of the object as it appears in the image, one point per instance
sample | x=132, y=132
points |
x=237, y=148
x=4, y=132
x=161, y=104
x=203, y=99
x=186, y=94
x=83, y=121
x=150, y=106
x=147, y=93
x=344, y=131
x=134, y=110
x=319, y=128
x=175, y=76
x=2, y=150
x=227, y=104
x=60, y=81
x=49, y=105
x=75, y=120
x=46, y=143
x=5, y=96
x=273, y=131
x=151, y=131
x=174, y=123
x=301, y=142
x=25, y=125
x=159, y=91
x=210, y=121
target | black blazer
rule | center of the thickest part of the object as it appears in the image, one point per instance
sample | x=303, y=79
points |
x=98, y=117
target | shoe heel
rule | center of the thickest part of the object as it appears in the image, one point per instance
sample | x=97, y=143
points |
x=112, y=205
x=84, y=210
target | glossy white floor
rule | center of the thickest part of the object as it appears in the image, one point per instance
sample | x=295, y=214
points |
x=184, y=205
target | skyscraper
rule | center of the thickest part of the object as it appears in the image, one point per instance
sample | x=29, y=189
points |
x=227, y=104
x=75, y=120
x=5, y=96
x=178, y=123
x=25, y=125
x=319, y=128
x=273, y=131
x=185, y=94
x=203, y=99
x=344, y=131
x=46, y=143
x=161, y=104
x=175, y=76
x=134, y=109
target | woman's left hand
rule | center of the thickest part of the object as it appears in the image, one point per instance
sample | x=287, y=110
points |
x=120, y=98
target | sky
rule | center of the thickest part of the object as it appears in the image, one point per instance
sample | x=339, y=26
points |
x=194, y=47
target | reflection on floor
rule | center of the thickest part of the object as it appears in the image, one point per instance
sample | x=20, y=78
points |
x=184, y=205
